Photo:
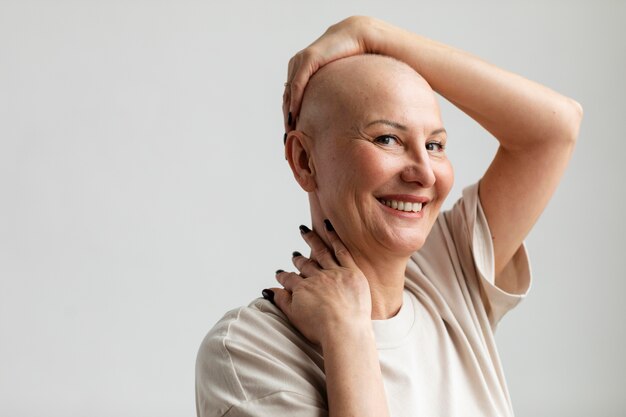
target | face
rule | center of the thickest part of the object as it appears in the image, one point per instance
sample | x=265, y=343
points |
x=381, y=171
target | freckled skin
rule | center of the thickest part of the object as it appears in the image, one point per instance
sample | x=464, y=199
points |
x=353, y=167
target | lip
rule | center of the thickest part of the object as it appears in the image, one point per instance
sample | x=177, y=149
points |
x=405, y=197
x=403, y=214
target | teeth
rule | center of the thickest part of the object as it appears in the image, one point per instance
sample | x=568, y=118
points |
x=402, y=205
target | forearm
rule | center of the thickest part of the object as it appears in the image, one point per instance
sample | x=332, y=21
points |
x=353, y=377
x=517, y=111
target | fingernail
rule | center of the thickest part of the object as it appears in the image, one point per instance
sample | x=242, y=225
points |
x=304, y=230
x=296, y=253
x=328, y=225
x=285, y=138
x=268, y=295
x=278, y=271
x=289, y=119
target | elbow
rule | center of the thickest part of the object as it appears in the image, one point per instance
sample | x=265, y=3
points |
x=573, y=116
x=578, y=109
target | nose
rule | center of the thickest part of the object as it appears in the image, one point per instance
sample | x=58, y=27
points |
x=419, y=170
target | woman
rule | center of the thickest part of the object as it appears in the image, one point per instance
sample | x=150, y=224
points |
x=393, y=312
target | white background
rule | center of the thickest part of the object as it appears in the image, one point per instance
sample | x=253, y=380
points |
x=143, y=191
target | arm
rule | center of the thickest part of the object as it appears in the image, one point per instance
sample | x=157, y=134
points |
x=535, y=126
x=353, y=377
x=332, y=308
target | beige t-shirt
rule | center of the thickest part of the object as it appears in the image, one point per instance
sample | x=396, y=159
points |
x=438, y=354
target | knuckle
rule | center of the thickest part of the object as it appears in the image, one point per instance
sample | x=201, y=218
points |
x=283, y=277
x=333, y=277
x=304, y=285
x=301, y=54
x=353, y=276
x=301, y=262
x=356, y=20
x=323, y=253
x=308, y=53
x=308, y=261
x=297, y=85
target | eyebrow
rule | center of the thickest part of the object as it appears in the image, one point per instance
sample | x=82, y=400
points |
x=402, y=127
x=388, y=123
x=438, y=131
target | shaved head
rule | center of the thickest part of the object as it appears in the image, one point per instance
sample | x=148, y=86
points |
x=340, y=89
x=370, y=130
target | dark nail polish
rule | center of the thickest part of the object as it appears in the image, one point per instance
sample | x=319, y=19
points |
x=304, y=230
x=328, y=225
x=296, y=253
x=278, y=271
x=285, y=138
x=289, y=119
x=268, y=295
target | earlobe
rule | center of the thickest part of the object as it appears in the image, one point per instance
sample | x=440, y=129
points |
x=298, y=154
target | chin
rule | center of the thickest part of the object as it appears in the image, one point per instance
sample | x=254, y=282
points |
x=406, y=244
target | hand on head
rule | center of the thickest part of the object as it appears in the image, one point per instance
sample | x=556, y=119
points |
x=346, y=38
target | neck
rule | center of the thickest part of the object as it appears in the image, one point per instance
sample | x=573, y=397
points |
x=384, y=273
x=386, y=281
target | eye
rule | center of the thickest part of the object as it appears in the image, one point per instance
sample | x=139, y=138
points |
x=435, y=146
x=386, y=140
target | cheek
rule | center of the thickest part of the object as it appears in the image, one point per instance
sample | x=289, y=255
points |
x=360, y=169
x=444, y=174
x=336, y=175
x=374, y=168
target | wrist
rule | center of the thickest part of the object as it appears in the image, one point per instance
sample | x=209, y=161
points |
x=375, y=35
x=346, y=334
x=382, y=38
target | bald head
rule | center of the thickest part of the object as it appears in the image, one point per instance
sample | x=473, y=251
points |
x=349, y=88
x=362, y=136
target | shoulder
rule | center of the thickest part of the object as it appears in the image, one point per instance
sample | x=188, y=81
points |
x=259, y=328
x=254, y=352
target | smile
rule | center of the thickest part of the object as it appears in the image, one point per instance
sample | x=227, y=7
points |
x=402, y=205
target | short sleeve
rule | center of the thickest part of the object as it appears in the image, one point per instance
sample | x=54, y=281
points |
x=278, y=404
x=254, y=363
x=454, y=269
x=469, y=230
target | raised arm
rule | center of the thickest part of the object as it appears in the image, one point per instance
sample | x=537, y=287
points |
x=535, y=126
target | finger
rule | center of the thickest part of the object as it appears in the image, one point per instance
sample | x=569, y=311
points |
x=282, y=299
x=287, y=95
x=304, y=67
x=289, y=280
x=306, y=266
x=321, y=253
x=286, y=108
x=340, y=251
x=343, y=39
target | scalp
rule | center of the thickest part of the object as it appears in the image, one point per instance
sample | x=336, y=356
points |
x=341, y=86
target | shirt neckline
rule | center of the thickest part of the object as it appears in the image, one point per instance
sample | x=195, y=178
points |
x=391, y=332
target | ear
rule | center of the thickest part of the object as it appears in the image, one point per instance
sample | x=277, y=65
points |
x=298, y=153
